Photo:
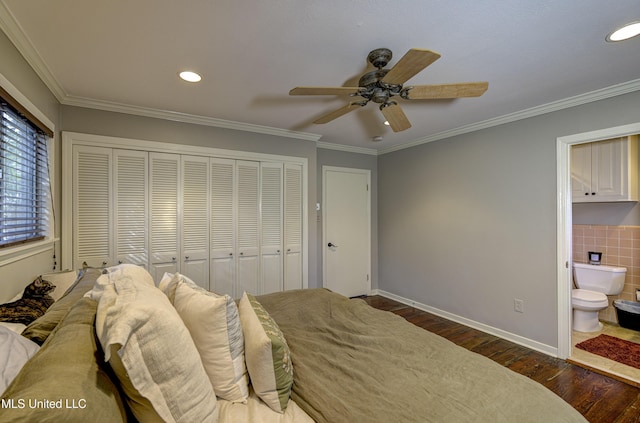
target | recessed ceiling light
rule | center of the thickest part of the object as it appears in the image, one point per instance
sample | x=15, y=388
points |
x=190, y=76
x=630, y=30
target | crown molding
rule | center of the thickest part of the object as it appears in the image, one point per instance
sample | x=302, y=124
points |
x=601, y=94
x=23, y=44
x=186, y=118
x=347, y=148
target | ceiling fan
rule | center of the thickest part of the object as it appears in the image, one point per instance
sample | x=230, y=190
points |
x=382, y=85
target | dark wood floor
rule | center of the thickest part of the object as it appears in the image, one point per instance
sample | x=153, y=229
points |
x=598, y=398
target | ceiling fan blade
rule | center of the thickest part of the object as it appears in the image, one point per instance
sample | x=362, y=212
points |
x=410, y=64
x=463, y=89
x=337, y=113
x=324, y=90
x=395, y=116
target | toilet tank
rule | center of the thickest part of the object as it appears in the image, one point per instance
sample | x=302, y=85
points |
x=600, y=278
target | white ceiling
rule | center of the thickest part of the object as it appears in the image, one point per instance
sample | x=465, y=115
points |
x=125, y=55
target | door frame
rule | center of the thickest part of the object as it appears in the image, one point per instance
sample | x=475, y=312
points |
x=367, y=173
x=564, y=223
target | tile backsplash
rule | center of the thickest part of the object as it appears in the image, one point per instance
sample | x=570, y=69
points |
x=620, y=246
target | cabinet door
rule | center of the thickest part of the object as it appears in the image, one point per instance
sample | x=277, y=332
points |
x=130, y=206
x=164, y=176
x=248, y=235
x=271, y=223
x=223, y=227
x=293, y=199
x=195, y=219
x=581, y=172
x=92, y=219
x=608, y=161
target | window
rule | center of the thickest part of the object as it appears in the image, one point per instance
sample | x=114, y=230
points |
x=24, y=178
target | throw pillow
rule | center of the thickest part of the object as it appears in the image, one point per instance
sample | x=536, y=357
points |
x=151, y=351
x=215, y=328
x=267, y=354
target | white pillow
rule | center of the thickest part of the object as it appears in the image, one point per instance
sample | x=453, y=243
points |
x=125, y=272
x=215, y=328
x=15, y=350
x=267, y=354
x=151, y=351
x=62, y=280
x=169, y=283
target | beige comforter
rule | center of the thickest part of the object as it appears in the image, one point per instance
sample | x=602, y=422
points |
x=354, y=363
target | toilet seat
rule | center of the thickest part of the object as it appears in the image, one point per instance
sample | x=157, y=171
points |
x=589, y=299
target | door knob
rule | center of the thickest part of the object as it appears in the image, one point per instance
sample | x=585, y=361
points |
x=331, y=244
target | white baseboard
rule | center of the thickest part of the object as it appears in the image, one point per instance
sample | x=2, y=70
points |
x=517, y=339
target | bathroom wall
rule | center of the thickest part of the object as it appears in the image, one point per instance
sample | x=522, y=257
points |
x=620, y=246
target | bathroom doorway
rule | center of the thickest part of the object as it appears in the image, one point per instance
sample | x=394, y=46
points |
x=565, y=224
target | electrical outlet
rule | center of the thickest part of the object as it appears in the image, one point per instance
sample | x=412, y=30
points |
x=518, y=305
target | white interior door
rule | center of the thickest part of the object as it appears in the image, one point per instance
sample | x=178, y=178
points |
x=164, y=223
x=248, y=235
x=223, y=227
x=195, y=219
x=92, y=206
x=271, y=224
x=347, y=230
x=131, y=206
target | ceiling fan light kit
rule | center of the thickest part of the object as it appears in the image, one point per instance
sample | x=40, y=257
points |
x=381, y=85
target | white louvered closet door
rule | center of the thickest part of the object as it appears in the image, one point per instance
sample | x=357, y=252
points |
x=223, y=227
x=131, y=206
x=92, y=236
x=195, y=219
x=293, y=226
x=248, y=232
x=271, y=225
x=164, y=231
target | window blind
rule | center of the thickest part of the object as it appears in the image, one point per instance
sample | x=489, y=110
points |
x=24, y=179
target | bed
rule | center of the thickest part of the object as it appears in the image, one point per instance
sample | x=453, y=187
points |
x=349, y=363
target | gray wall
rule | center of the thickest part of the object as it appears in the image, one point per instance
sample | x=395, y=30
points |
x=18, y=272
x=357, y=161
x=467, y=224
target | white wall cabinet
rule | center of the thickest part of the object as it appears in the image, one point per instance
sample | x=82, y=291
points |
x=229, y=224
x=605, y=171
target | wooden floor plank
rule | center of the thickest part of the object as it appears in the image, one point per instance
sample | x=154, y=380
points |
x=599, y=398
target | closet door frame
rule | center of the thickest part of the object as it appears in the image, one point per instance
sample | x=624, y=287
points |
x=69, y=139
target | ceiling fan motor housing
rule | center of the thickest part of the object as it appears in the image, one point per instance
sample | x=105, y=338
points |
x=379, y=57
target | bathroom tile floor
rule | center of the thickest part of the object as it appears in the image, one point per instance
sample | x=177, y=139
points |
x=603, y=365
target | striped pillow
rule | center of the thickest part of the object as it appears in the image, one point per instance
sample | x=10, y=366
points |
x=267, y=354
x=215, y=327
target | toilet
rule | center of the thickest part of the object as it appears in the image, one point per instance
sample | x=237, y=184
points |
x=593, y=284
